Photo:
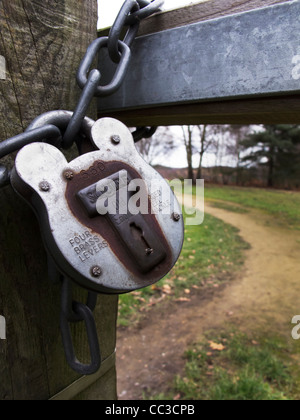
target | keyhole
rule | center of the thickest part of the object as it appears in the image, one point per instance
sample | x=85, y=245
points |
x=138, y=235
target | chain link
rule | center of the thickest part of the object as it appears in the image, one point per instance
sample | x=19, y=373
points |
x=81, y=109
x=118, y=27
x=67, y=302
x=143, y=133
x=71, y=312
x=146, y=11
x=120, y=72
x=131, y=14
x=49, y=133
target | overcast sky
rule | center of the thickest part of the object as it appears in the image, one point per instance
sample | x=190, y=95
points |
x=108, y=9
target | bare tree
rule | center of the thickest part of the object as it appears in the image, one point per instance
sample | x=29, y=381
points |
x=199, y=140
x=207, y=143
x=157, y=146
x=234, y=147
x=188, y=143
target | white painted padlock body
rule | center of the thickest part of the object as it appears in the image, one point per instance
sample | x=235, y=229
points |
x=85, y=245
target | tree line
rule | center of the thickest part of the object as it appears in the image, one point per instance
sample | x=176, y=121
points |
x=265, y=155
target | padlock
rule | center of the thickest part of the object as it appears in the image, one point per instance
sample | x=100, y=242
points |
x=108, y=219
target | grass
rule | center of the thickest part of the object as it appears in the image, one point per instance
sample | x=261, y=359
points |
x=284, y=206
x=229, y=365
x=212, y=253
x=229, y=207
x=234, y=366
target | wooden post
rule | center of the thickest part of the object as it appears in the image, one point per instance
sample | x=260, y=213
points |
x=41, y=45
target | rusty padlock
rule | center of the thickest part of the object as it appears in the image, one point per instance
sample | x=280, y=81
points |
x=108, y=219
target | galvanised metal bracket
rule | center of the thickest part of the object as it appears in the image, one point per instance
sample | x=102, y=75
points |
x=247, y=55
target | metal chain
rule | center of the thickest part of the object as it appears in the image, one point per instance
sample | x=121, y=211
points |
x=64, y=128
x=147, y=9
x=131, y=14
x=48, y=127
x=117, y=29
x=89, y=81
x=71, y=312
x=143, y=133
x=49, y=133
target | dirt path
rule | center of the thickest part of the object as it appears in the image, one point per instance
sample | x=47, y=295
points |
x=265, y=297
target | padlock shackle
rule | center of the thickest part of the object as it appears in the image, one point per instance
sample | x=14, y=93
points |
x=61, y=120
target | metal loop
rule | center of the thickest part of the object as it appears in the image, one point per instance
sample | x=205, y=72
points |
x=81, y=109
x=116, y=30
x=143, y=133
x=48, y=132
x=61, y=119
x=120, y=72
x=4, y=176
x=47, y=127
x=144, y=12
x=67, y=303
x=75, y=312
x=86, y=314
x=144, y=3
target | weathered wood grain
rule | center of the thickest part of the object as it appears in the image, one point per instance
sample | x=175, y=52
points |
x=42, y=42
x=210, y=9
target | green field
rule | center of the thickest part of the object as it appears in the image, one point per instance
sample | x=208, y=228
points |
x=235, y=366
x=284, y=206
x=212, y=253
x=229, y=365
